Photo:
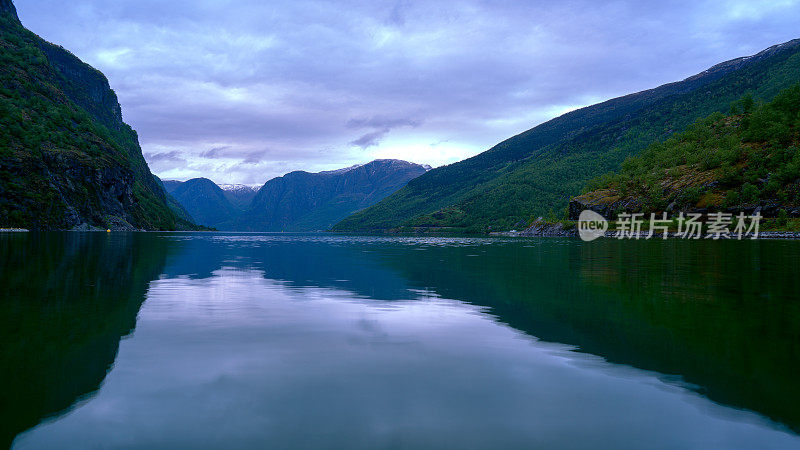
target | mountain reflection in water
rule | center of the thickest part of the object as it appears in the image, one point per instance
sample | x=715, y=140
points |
x=333, y=340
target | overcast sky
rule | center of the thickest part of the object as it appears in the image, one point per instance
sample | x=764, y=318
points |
x=242, y=91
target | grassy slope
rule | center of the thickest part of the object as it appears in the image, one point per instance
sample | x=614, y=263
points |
x=52, y=150
x=542, y=168
x=748, y=159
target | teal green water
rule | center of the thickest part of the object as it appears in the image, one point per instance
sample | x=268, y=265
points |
x=299, y=341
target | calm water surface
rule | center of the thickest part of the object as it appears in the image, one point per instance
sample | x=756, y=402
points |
x=255, y=341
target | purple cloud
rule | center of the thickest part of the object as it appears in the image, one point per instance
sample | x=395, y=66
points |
x=370, y=139
x=245, y=91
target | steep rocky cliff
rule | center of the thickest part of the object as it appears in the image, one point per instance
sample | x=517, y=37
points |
x=67, y=159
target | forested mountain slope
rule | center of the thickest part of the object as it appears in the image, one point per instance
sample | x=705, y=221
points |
x=67, y=159
x=746, y=161
x=540, y=169
x=302, y=201
x=205, y=202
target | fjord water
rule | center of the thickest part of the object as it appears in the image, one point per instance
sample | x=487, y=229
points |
x=248, y=341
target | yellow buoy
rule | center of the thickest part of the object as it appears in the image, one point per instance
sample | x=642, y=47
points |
x=108, y=230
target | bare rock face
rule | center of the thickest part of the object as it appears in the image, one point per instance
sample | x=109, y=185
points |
x=110, y=203
x=85, y=85
x=540, y=228
x=606, y=202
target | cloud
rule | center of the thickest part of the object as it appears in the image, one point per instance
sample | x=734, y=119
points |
x=382, y=126
x=370, y=139
x=243, y=91
x=164, y=156
x=253, y=158
x=214, y=152
x=383, y=122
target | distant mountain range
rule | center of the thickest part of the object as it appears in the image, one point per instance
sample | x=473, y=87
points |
x=240, y=195
x=67, y=160
x=302, y=201
x=204, y=201
x=298, y=201
x=541, y=169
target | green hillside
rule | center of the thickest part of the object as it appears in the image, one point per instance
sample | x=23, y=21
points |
x=747, y=160
x=66, y=157
x=540, y=170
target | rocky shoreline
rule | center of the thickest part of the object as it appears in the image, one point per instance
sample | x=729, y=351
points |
x=543, y=229
x=555, y=232
x=540, y=228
